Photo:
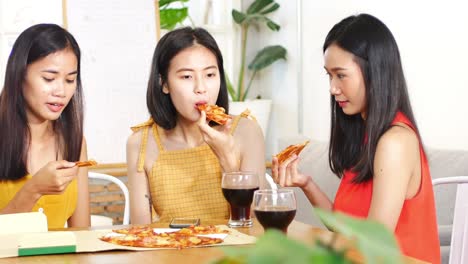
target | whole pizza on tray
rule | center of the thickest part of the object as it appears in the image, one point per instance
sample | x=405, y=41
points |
x=144, y=236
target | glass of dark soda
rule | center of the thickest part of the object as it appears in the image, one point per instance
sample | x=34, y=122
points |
x=238, y=189
x=275, y=208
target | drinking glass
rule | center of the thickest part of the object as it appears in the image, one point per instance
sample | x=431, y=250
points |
x=275, y=208
x=238, y=189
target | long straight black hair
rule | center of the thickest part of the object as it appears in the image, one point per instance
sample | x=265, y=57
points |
x=353, y=141
x=34, y=44
x=159, y=104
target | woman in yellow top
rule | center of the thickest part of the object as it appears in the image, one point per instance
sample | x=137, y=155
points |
x=175, y=160
x=41, y=129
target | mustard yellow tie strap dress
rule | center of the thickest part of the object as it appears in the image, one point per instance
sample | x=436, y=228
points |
x=184, y=183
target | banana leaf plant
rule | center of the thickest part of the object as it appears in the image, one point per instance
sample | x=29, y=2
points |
x=374, y=241
x=170, y=17
x=255, y=15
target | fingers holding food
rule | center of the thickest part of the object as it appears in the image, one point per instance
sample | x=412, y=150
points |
x=54, y=177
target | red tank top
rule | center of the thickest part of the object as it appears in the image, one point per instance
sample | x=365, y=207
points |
x=416, y=230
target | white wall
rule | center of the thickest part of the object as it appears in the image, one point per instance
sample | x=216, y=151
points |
x=16, y=16
x=279, y=81
x=433, y=41
x=117, y=46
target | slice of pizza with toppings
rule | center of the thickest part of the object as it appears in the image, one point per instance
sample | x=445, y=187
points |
x=135, y=230
x=215, y=113
x=122, y=240
x=290, y=150
x=195, y=241
x=203, y=230
x=86, y=163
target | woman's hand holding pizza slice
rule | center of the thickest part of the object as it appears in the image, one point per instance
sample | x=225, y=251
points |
x=284, y=167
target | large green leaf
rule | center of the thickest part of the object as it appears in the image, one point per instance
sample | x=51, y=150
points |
x=275, y=248
x=267, y=56
x=270, y=9
x=251, y=19
x=258, y=5
x=163, y=3
x=238, y=17
x=170, y=17
x=272, y=25
x=376, y=243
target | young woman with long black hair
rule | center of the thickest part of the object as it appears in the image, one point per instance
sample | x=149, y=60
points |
x=375, y=147
x=41, y=129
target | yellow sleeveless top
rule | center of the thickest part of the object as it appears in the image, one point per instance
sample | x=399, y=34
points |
x=57, y=208
x=186, y=182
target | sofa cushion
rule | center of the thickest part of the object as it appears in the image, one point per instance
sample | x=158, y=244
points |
x=446, y=163
x=445, y=254
x=445, y=234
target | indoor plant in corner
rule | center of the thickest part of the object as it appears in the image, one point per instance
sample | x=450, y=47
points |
x=255, y=14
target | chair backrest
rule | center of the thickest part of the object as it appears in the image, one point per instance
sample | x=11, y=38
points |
x=101, y=220
x=101, y=176
x=459, y=239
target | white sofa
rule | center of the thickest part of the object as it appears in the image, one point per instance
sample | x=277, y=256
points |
x=443, y=163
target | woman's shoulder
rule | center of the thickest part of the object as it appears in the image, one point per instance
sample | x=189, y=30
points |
x=247, y=126
x=142, y=125
x=138, y=130
x=398, y=138
x=143, y=137
x=133, y=141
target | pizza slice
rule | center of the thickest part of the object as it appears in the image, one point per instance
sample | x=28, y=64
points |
x=290, y=150
x=123, y=240
x=86, y=163
x=215, y=113
x=131, y=240
x=203, y=230
x=196, y=241
x=135, y=230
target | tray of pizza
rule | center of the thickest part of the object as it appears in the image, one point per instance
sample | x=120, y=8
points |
x=146, y=238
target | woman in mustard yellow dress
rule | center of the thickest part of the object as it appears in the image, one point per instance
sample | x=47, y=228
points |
x=41, y=129
x=176, y=159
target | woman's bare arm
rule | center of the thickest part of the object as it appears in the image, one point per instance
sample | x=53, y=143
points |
x=396, y=158
x=249, y=137
x=81, y=216
x=140, y=207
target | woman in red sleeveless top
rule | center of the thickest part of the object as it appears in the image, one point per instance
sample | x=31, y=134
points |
x=375, y=147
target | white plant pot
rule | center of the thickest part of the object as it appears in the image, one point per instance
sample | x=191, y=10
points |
x=259, y=108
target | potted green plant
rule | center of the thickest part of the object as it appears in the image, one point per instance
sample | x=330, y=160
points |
x=374, y=241
x=169, y=16
x=255, y=15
